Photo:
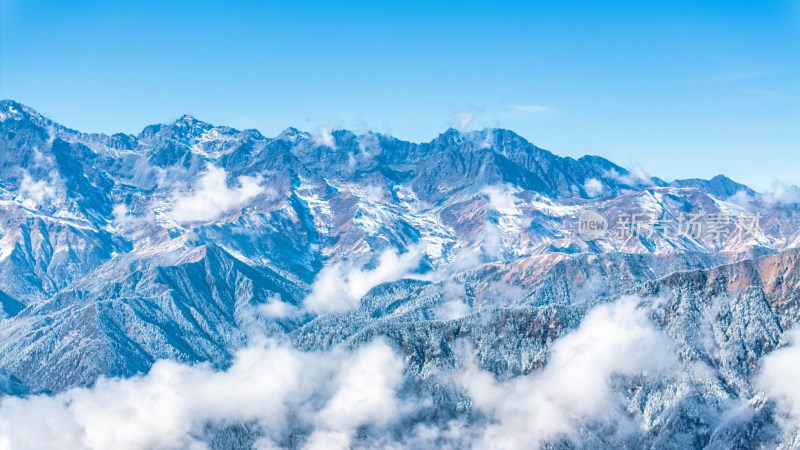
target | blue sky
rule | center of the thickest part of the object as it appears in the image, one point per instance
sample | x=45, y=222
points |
x=682, y=88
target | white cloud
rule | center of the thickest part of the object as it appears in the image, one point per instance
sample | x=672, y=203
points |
x=487, y=141
x=635, y=177
x=781, y=194
x=374, y=192
x=482, y=116
x=340, y=286
x=593, y=187
x=452, y=310
x=369, y=144
x=464, y=119
x=491, y=239
x=325, y=136
x=326, y=399
x=487, y=246
x=249, y=318
x=529, y=109
x=277, y=387
x=742, y=198
x=454, y=305
x=575, y=385
x=739, y=74
x=778, y=377
x=211, y=197
x=500, y=198
x=275, y=308
x=126, y=221
x=366, y=390
x=38, y=192
x=523, y=111
x=120, y=213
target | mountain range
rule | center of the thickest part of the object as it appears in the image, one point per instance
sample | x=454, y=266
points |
x=452, y=273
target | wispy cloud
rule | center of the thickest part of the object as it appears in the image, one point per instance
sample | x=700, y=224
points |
x=593, y=187
x=636, y=176
x=779, y=195
x=489, y=116
x=740, y=74
x=345, y=398
x=340, y=286
x=778, y=377
x=501, y=197
x=464, y=119
x=280, y=389
x=575, y=386
x=773, y=94
x=37, y=192
x=325, y=136
x=523, y=110
x=454, y=302
x=211, y=196
x=764, y=92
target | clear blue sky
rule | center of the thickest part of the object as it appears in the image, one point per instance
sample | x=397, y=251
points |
x=682, y=88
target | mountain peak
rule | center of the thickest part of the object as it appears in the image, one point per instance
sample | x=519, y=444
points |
x=10, y=108
x=7, y=104
x=451, y=132
x=721, y=186
x=190, y=126
x=189, y=120
x=292, y=134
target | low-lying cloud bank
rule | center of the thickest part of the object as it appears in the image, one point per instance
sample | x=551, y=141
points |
x=280, y=389
x=779, y=195
x=575, y=386
x=780, y=372
x=341, y=398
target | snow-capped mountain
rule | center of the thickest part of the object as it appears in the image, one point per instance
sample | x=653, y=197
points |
x=189, y=242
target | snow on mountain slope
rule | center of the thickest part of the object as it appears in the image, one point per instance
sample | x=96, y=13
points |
x=188, y=242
